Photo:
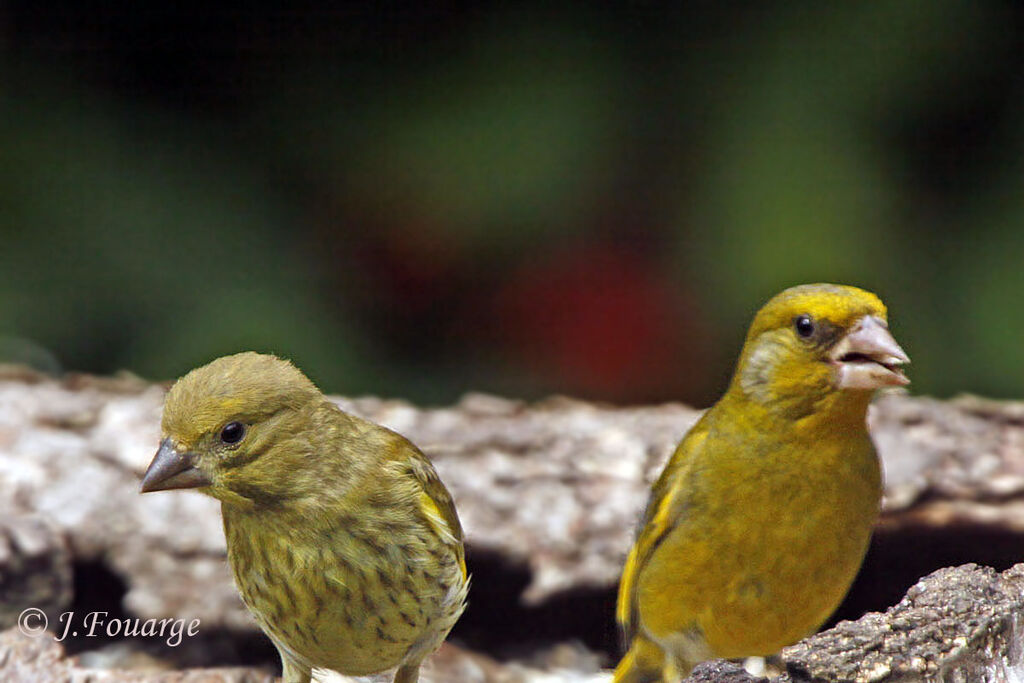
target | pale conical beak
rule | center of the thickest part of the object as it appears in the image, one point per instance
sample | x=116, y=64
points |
x=867, y=357
x=172, y=470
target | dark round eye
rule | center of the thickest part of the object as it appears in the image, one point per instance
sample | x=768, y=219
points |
x=804, y=325
x=232, y=432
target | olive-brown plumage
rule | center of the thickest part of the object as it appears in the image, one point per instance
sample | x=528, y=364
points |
x=343, y=542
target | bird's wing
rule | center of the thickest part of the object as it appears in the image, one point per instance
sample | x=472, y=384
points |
x=666, y=504
x=437, y=505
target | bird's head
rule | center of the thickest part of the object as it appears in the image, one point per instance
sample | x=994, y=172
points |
x=814, y=342
x=233, y=428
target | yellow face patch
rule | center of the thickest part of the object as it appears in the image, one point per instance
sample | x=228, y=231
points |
x=839, y=305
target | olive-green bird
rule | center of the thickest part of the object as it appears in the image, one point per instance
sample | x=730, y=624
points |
x=343, y=542
x=760, y=520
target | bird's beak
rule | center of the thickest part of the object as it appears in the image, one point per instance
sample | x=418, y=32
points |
x=867, y=357
x=171, y=469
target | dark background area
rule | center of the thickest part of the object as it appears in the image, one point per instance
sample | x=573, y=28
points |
x=420, y=201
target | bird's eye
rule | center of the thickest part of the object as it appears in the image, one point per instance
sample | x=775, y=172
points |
x=232, y=433
x=804, y=325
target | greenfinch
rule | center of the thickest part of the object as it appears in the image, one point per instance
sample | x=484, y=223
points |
x=343, y=541
x=760, y=520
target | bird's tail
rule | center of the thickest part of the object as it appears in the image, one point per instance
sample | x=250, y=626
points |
x=644, y=662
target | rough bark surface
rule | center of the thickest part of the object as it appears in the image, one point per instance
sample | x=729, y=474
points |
x=550, y=489
x=957, y=624
x=35, y=567
x=960, y=624
x=42, y=660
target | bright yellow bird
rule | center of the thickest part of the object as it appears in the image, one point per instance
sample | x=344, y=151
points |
x=758, y=524
x=343, y=542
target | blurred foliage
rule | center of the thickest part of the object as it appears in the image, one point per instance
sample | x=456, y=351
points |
x=420, y=202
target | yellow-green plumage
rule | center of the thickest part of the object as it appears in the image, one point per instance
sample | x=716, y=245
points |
x=760, y=520
x=343, y=542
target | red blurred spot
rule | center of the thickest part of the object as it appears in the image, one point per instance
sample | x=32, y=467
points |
x=603, y=322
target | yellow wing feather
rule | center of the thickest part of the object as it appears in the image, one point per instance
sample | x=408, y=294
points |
x=437, y=505
x=666, y=503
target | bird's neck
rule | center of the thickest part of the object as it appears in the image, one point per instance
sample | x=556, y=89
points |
x=832, y=411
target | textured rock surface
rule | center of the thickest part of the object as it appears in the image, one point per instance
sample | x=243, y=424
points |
x=721, y=671
x=555, y=485
x=949, y=462
x=42, y=660
x=35, y=567
x=553, y=488
x=957, y=624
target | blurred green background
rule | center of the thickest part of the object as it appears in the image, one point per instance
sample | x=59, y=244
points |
x=419, y=201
